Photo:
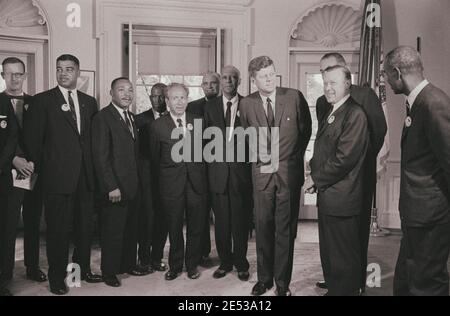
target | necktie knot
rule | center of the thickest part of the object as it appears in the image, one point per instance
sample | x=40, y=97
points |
x=180, y=122
x=408, y=108
x=229, y=104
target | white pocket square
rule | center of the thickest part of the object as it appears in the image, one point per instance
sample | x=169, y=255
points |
x=3, y=117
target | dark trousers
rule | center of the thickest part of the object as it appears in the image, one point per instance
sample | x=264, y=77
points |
x=32, y=211
x=63, y=211
x=160, y=233
x=422, y=262
x=340, y=254
x=119, y=236
x=206, y=235
x=146, y=226
x=275, y=210
x=232, y=218
x=194, y=205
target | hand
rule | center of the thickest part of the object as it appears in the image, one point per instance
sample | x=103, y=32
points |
x=115, y=196
x=309, y=186
x=24, y=167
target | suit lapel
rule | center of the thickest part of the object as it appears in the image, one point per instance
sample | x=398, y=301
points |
x=67, y=115
x=415, y=106
x=279, y=107
x=336, y=114
x=258, y=107
x=83, y=114
x=218, y=114
x=120, y=120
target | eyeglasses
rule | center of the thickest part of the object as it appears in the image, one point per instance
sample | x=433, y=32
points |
x=16, y=75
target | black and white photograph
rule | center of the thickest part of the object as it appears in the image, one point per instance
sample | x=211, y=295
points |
x=222, y=153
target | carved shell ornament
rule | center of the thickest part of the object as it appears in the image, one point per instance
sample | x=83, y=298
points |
x=329, y=26
x=20, y=13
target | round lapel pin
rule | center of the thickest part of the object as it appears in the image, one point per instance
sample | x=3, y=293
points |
x=331, y=119
x=26, y=106
x=408, y=121
x=3, y=124
x=65, y=108
x=190, y=127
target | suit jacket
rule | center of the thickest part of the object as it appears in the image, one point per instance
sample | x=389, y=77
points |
x=337, y=167
x=293, y=118
x=51, y=133
x=197, y=107
x=174, y=175
x=425, y=170
x=116, y=153
x=220, y=173
x=371, y=105
x=8, y=143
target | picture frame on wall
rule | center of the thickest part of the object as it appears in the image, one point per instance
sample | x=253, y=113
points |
x=86, y=82
x=252, y=88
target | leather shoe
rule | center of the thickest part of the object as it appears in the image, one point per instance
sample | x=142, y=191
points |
x=171, y=275
x=91, y=278
x=5, y=292
x=322, y=285
x=260, y=288
x=36, y=275
x=193, y=274
x=283, y=292
x=243, y=275
x=139, y=271
x=205, y=262
x=59, y=289
x=159, y=266
x=112, y=281
x=220, y=273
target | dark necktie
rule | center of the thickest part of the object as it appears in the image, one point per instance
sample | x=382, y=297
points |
x=180, y=123
x=72, y=107
x=127, y=120
x=228, y=114
x=408, y=109
x=18, y=109
x=270, y=116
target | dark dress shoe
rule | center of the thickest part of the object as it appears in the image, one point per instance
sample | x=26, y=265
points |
x=220, y=273
x=260, y=288
x=91, y=278
x=112, y=281
x=322, y=285
x=283, y=292
x=205, y=262
x=159, y=266
x=193, y=274
x=59, y=289
x=171, y=275
x=243, y=275
x=139, y=271
x=5, y=292
x=36, y=275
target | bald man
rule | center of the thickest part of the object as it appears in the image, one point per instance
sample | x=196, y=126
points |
x=425, y=179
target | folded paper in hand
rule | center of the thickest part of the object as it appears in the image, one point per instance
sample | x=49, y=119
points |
x=26, y=184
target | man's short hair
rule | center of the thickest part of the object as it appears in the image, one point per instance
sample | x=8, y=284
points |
x=160, y=86
x=233, y=68
x=68, y=57
x=339, y=58
x=175, y=85
x=405, y=58
x=259, y=63
x=212, y=74
x=12, y=60
x=345, y=70
x=115, y=81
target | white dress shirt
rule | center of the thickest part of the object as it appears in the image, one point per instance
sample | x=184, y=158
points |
x=65, y=93
x=183, y=119
x=338, y=104
x=415, y=93
x=273, y=98
x=122, y=115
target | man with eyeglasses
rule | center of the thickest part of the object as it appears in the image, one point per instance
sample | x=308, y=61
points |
x=153, y=229
x=31, y=201
x=58, y=129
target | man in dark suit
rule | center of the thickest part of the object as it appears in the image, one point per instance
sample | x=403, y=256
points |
x=57, y=132
x=337, y=173
x=229, y=181
x=425, y=179
x=371, y=105
x=211, y=89
x=281, y=116
x=153, y=229
x=182, y=180
x=8, y=143
x=116, y=160
x=14, y=75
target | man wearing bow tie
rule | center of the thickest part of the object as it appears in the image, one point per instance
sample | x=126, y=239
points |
x=57, y=131
x=14, y=75
x=116, y=160
x=425, y=179
x=182, y=182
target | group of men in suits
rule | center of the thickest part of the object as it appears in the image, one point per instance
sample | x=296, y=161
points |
x=145, y=189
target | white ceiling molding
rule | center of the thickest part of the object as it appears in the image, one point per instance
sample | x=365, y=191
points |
x=24, y=17
x=327, y=25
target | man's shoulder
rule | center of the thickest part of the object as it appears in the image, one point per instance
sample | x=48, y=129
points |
x=433, y=96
